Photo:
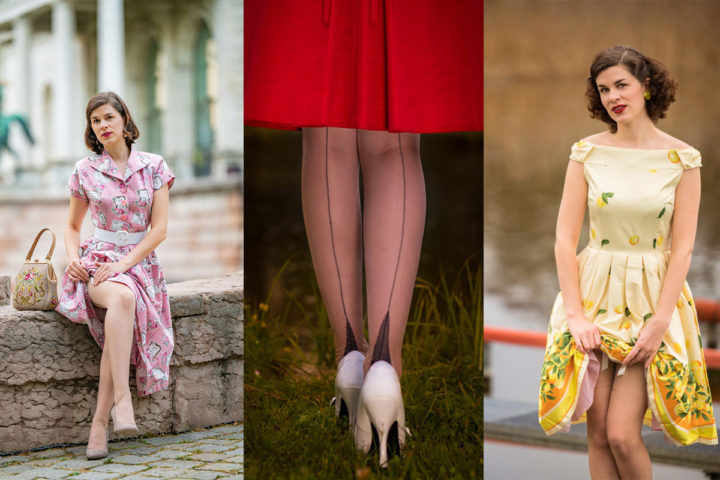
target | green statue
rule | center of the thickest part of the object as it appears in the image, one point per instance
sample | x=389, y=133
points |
x=5, y=122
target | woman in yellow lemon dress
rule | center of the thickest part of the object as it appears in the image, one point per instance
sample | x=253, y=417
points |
x=623, y=336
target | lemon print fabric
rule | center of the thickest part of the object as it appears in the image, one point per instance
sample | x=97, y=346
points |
x=631, y=199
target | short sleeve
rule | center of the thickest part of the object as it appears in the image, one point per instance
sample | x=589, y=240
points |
x=689, y=157
x=75, y=185
x=580, y=150
x=162, y=175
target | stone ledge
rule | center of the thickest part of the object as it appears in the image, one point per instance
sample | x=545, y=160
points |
x=48, y=383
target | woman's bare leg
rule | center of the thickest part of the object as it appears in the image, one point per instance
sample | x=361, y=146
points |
x=104, y=403
x=394, y=222
x=119, y=301
x=628, y=403
x=331, y=209
x=600, y=457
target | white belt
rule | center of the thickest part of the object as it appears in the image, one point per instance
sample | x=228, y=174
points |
x=120, y=238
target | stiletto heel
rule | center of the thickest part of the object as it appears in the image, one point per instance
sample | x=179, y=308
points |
x=381, y=412
x=348, y=383
x=122, y=427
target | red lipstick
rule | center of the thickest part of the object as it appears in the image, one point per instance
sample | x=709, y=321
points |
x=619, y=108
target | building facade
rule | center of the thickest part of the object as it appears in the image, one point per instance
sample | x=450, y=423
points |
x=177, y=64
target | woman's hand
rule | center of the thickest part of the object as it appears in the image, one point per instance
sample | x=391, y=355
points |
x=76, y=271
x=107, y=270
x=648, y=343
x=585, y=333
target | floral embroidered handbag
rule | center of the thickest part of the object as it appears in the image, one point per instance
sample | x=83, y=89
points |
x=36, y=285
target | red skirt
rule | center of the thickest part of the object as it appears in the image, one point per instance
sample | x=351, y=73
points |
x=393, y=65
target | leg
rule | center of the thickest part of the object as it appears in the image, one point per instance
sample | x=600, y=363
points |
x=331, y=208
x=394, y=221
x=628, y=403
x=119, y=301
x=104, y=403
x=602, y=463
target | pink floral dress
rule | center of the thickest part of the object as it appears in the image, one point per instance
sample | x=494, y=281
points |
x=118, y=203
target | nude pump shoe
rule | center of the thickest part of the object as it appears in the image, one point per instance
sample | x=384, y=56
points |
x=122, y=427
x=381, y=415
x=97, y=453
x=348, y=382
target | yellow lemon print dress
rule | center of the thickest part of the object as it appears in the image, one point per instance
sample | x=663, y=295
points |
x=631, y=197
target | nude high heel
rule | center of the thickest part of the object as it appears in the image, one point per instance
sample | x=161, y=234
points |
x=381, y=415
x=97, y=453
x=348, y=383
x=122, y=427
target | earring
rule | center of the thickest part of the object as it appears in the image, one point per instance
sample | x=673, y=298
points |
x=647, y=95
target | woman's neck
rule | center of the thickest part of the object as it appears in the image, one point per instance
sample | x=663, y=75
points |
x=637, y=134
x=119, y=152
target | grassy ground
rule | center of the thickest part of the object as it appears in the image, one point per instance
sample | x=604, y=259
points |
x=291, y=431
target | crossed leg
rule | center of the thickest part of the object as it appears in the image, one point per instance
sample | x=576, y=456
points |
x=114, y=386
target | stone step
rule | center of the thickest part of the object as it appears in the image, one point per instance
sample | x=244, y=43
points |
x=48, y=383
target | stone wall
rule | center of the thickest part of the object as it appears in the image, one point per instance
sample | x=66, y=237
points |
x=50, y=367
x=537, y=58
x=204, y=229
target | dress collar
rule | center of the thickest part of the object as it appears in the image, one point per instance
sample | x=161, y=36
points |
x=104, y=163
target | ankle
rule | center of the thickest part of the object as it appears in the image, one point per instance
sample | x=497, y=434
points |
x=99, y=423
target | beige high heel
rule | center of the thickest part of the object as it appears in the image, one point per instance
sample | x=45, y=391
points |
x=122, y=427
x=97, y=453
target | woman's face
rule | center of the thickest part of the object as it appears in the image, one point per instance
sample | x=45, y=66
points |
x=108, y=125
x=621, y=94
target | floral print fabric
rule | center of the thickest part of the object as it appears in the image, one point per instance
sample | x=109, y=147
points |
x=118, y=202
x=631, y=198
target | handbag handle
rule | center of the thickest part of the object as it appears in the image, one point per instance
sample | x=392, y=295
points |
x=52, y=247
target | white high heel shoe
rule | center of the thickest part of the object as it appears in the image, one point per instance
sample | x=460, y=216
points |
x=348, y=382
x=381, y=413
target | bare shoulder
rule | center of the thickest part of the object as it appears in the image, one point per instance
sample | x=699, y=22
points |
x=602, y=138
x=672, y=142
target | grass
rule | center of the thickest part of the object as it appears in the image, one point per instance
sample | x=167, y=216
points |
x=291, y=431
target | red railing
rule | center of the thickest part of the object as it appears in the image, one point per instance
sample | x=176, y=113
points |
x=708, y=311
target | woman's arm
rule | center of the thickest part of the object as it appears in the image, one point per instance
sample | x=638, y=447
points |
x=684, y=227
x=567, y=233
x=75, y=269
x=157, y=233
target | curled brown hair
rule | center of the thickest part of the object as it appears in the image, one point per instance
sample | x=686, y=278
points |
x=130, y=130
x=660, y=85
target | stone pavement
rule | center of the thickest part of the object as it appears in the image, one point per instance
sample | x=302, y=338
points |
x=209, y=454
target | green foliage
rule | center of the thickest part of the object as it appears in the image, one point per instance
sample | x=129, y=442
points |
x=291, y=430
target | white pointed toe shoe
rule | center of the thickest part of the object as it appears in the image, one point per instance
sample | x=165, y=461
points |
x=348, y=382
x=381, y=415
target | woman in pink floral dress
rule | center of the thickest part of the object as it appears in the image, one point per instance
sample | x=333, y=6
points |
x=116, y=268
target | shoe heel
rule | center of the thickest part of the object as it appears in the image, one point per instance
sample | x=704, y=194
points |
x=383, y=414
x=348, y=383
x=122, y=428
x=350, y=396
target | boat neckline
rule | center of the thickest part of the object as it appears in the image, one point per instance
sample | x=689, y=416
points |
x=639, y=149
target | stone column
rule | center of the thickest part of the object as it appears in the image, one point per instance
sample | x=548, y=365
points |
x=21, y=41
x=63, y=29
x=228, y=32
x=111, y=46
